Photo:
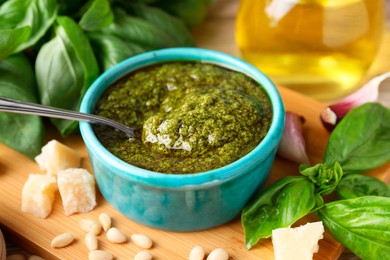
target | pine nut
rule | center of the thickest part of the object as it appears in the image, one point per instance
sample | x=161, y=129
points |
x=34, y=257
x=142, y=240
x=90, y=225
x=143, y=255
x=218, y=254
x=100, y=255
x=91, y=241
x=62, y=240
x=116, y=236
x=105, y=220
x=197, y=253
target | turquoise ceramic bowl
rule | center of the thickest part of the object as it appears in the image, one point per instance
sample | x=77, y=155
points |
x=184, y=202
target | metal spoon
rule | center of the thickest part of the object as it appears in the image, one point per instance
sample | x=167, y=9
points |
x=21, y=107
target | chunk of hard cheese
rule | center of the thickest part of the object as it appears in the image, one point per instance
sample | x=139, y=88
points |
x=297, y=243
x=56, y=156
x=77, y=190
x=38, y=195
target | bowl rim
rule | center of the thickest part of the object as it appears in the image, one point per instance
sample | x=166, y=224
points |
x=201, y=179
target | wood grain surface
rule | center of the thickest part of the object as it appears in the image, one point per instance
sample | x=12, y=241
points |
x=34, y=235
x=3, y=250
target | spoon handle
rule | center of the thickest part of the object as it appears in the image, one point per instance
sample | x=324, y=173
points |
x=21, y=107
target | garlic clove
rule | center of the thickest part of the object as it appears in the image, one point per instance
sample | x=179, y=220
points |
x=292, y=143
x=329, y=118
x=367, y=93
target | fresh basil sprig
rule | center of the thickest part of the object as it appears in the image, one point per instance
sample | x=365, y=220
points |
x=110, y=49
x=287, y=200
x=324, y=178
x=357, y=185
x=24, y=133
x=167, y=23
x=361, y=224
x=192, y=12
x=12, y=39
x=278, y=206
x=38, y=15
x=138, y=30
x=72, y=70
x=360, y=142
x=97, y=16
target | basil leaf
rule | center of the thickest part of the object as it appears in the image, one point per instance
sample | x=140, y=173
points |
x=97, y=16
x=324, y=178
x=72, y=7
x=11, y=39
x=167, y=23
x=146, y=1
x=24, y=133
x=276, y=207
x=138, y=31
x=18, y=70
x=110, y=50
x=357, y=185
x=39, y=15
x=65, y=67
x=361, y=224
x=192, y=12
x=361, y=141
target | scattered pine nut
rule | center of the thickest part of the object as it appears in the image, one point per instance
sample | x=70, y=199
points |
x=116, y=236
x=105, y=221
x=142, y=240
x=197, y=253
x=91, y=241
x=100, y=255
x=218, y=254
x=143, y=255
x=90, y=225
x=62, y=240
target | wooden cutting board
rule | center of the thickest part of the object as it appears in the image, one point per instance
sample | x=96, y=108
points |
x=35, y=235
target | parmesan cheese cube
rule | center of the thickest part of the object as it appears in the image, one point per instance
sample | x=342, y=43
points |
x=77, y=190
x=38, y=195
x=56, y=156
x=297, y=243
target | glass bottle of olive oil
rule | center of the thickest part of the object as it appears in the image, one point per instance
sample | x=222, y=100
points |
x=322, y=48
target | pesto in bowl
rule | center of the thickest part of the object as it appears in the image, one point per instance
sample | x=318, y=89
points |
x=180, y=202
x=191, y=117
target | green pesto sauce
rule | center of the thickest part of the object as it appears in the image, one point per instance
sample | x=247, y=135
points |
x=192, y=117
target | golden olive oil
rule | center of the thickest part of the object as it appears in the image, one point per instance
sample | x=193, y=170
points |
x=322, y=48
